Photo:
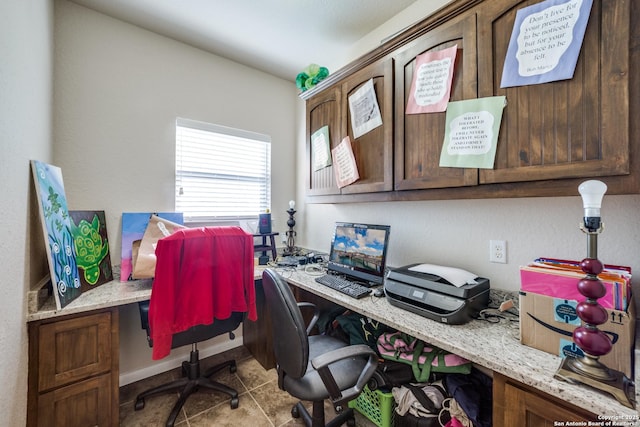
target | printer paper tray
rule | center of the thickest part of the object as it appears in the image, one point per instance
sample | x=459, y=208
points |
x=435, y=283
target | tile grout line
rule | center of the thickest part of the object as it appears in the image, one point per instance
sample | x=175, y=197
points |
x=254, y=399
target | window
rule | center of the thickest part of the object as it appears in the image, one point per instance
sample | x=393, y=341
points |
x=221, y=173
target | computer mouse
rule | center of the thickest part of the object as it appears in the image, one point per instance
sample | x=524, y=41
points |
x=378, y=292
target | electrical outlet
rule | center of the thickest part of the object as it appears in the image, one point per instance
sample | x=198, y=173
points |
x=498, y=251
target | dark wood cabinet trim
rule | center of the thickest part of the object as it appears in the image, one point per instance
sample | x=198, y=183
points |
x=444, y=14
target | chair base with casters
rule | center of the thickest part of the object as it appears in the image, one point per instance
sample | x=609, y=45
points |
x=316, y=418
x=192, y=379
x=319, y=345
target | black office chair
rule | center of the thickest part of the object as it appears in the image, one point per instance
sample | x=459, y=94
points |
x=192, y=379
x=314, y=368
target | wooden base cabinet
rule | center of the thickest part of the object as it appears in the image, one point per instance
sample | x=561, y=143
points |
x=256, y=336
x=73, y=370
x=515, y=404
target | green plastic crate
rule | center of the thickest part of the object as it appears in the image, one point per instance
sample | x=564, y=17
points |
x=376, y=405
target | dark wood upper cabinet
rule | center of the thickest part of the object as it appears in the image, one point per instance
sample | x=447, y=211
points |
x=373, y=150
x=323, y=110
x=419, y=137
x=565, y=129
x=552, y=135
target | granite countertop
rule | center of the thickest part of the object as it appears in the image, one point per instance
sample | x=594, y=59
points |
x=495, y=346
x=110, y=294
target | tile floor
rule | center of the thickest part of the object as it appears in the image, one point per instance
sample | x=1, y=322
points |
x=262, y=403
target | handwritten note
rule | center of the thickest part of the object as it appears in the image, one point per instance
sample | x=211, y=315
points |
x=545, y=42
x=431, y=85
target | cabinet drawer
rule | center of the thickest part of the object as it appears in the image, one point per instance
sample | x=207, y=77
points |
x=74, y=349
x=86, y=403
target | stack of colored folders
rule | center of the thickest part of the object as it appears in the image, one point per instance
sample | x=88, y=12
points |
x=559, y=279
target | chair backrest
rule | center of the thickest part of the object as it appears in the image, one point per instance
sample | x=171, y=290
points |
x=290, y=341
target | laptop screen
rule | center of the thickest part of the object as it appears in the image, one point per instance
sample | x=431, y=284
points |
x=360, y=251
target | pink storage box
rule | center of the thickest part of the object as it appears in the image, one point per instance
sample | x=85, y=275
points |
x=563, y=286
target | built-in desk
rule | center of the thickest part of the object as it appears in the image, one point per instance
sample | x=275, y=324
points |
x=108, y=295
x=495, y=346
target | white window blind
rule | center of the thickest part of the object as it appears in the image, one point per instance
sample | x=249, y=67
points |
x=221, y=172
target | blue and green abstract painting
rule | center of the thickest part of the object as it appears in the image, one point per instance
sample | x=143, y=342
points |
x=56, y=225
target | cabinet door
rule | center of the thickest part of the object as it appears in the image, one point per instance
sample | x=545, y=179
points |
x=419, y=137
x=74, y=349
x=516, y=405
x=566, y=129
x=323, y=110
x=83, y=404
x=374, y=150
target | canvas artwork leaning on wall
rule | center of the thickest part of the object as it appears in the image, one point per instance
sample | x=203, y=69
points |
x=89, y=230
x=56, y=226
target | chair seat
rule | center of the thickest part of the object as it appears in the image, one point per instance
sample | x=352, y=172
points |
x=196, y=333
x=201, y=333
x=310, y=387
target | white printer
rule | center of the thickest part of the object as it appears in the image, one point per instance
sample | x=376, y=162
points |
x=446, y=294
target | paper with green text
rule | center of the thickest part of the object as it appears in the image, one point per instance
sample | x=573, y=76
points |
x=320, y=145
x=471, y=133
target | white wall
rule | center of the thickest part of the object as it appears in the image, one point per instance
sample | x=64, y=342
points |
x=457, y=232
x=118, y=91
x=26, y=30
x=415, y=12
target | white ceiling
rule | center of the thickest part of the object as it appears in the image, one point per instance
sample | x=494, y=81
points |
x=280, y=37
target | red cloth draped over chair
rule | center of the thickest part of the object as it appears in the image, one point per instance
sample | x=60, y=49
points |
x=202, y=274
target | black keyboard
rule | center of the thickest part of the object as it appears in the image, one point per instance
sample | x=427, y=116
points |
x=345, y=286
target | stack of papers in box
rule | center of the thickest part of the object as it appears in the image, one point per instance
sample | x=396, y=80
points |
x=559, y=279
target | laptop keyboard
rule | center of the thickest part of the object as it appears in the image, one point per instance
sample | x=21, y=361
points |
x=345, y=286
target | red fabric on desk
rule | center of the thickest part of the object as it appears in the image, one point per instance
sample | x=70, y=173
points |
x=201, y=274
